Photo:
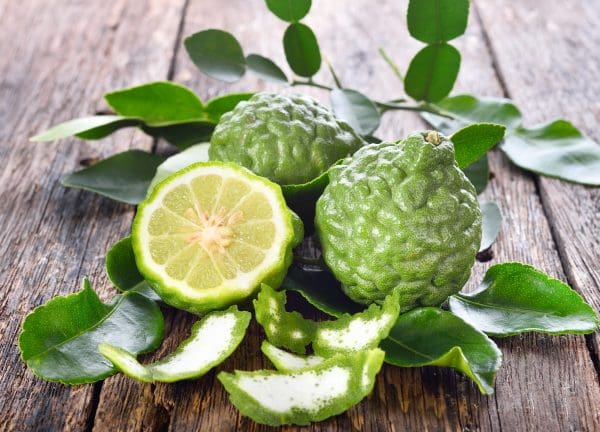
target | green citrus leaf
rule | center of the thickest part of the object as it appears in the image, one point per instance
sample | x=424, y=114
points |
x=289, y=10
x=123, y=272
x=515, y=298
x=319, y=288
x=59, y=339
x=218, y=106
x=432, y=73
x=265, y=68
x=492, y=221
x=90, y=128
x=191, y=155
x=433, y=337
x=301, y=198
x=183, y=135
x=302, y=50
x=557, y=149
x=433, y=21
x=123, y=177
x=160, y=103
x=356, y=109
x=474, y=141
x=479, y=173
x=471, y=109
x=217, y=53
x=213, y=338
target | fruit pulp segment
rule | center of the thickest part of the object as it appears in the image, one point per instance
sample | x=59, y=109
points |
x=210, y=230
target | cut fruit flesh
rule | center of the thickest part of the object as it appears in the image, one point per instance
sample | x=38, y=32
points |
x=208, y=235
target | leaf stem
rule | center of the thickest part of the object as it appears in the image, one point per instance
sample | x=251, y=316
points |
x=334, y=75
x=392, y=105
x=391, y=64
x=310, y=83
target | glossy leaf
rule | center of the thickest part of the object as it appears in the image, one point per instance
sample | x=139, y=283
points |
x=557, y=149
x=266, y=69
x=433, y=337
x=515, y=298
x=320, y=289
x=123, y=177
x=432, y=73
x=289, y=10
x=213, y=338
x=470, y=109
x=90, y=128
x=302, y=199
x=492, y=221
x=433, y=21
x=183, y=135
x=356, y=109
x=302, y=50
x=218, y=106
x=217, y=53
x=159, y=103
x=479, y=173
x=474, y=141
x=193, y=154
x=60, y=339
x=123, y=272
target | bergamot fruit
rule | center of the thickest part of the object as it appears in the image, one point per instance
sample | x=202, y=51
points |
x=289, y=139
x=400, y=217
x=210, y=234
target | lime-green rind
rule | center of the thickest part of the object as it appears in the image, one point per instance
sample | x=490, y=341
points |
x=284, y=329
x=204, y=300
x=305, y=396
x=358, y=332
x=290, y=139
x=409, y=208
x=213, y=338
x=285, y=361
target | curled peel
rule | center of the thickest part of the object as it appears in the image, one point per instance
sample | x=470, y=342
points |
x=353, y=333
x=212, y=340
x=288, y=362
x=347, y=334
x=306, y=395
x=283, y=329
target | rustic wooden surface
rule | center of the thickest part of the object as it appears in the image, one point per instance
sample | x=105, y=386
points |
x=60, y=56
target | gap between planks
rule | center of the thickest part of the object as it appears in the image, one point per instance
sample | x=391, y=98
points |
x=565, y=268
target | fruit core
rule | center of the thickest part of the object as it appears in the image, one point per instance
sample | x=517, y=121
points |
x=214, y=231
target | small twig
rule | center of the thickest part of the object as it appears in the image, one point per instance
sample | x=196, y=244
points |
x=391, y=64
x=310, y=84
x=334, y=75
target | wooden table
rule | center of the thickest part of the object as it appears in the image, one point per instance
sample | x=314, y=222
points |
x=59, y=57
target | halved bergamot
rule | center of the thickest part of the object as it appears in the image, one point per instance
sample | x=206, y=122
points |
x=210, y=234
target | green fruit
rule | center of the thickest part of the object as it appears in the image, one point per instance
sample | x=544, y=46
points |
x=290, y=139
x=400, y=217
x=210, y=234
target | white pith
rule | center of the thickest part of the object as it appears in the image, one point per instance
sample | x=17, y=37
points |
x=245, y=281
x=306, y=391
x=359, y=333
x=286, y=361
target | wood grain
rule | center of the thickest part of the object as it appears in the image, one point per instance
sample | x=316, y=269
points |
x=51, y=237
x=551, y=83
x=404, y=399
x=57, y=60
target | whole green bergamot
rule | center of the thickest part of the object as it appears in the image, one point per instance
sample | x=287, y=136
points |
x=290, y=139
x=400, y=217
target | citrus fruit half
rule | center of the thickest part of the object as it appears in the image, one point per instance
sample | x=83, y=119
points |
x=210, y=234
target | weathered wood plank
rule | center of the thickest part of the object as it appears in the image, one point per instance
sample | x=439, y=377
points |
x=541, y=374
x=58, y=58
x=559, y=81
